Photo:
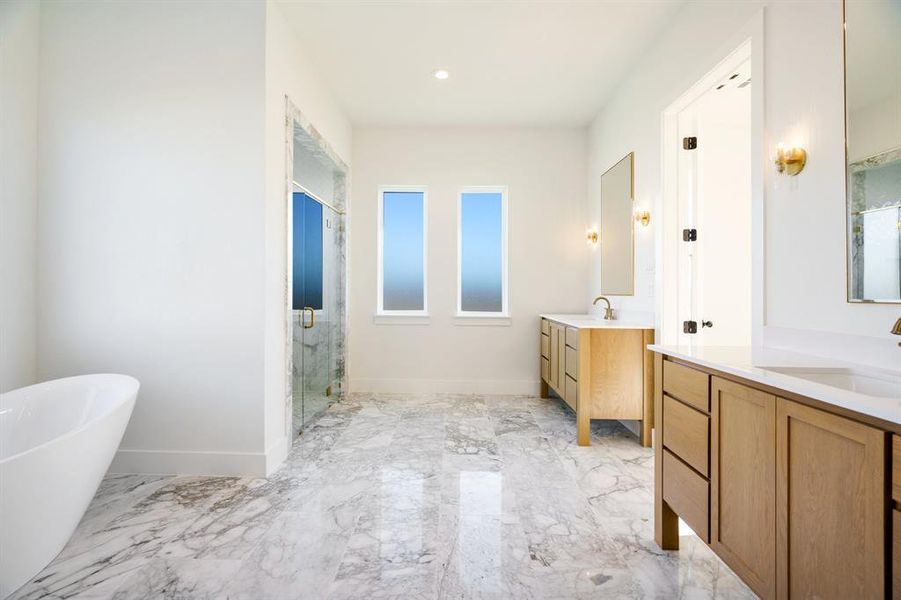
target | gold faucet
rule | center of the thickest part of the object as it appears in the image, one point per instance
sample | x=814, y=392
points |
x=608, y=312
x=896, y=330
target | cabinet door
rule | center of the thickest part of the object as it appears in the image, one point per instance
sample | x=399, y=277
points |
x=561, y=363
x=896, y=554
x=555, y=357
x=831, y=505
x=743, y=482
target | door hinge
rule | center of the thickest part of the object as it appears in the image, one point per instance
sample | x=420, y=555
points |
x=689, y=235
x=689, y=143
x=689, y=326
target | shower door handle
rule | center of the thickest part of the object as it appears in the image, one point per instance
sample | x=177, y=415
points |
x=312, y=317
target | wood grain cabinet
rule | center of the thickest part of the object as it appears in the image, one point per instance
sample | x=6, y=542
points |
x=831, y=505
x=896, y=517
x=743, y=482
x=800, y=501
x=600, y=372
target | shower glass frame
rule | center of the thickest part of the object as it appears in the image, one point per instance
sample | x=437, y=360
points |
x=299, y=129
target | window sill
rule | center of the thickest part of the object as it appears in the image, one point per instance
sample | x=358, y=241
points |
x=482, y=320
x=389, y=319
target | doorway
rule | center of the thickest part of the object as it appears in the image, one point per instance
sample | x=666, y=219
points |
x=316, y=275
x=708, y=235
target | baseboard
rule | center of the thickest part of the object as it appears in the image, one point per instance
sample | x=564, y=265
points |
x=525, y=387
x=162, y=462
x=276, y=454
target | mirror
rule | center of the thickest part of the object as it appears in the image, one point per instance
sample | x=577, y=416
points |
x=873, y=137
x=616, y=229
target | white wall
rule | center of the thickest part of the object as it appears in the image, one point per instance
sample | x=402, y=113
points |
x=544, y=170
x=631, y=121
x=290, y=73
x=19, y=52
x=805, y=215
x=151, y=230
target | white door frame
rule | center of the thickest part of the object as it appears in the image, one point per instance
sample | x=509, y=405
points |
x=668, y=235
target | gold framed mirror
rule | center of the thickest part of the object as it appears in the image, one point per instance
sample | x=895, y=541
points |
x=617, y=230
x=873, y=149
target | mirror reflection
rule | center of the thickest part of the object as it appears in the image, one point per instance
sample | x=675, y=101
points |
x=873, y=104
x=616, y=229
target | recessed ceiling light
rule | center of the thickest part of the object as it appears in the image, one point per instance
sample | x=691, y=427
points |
x=441, y=74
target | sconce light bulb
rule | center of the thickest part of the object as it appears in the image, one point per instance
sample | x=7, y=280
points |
x=643, y=217
x=791, y=161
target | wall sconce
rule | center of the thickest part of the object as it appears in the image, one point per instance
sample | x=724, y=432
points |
x=591, y=237
x=790, y=161
x=643, y=217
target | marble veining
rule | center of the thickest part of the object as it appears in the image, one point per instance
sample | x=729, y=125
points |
x=397, y=496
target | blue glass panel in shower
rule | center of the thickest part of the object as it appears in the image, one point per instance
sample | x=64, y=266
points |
x=482, y=252
x=307, y=251
x=402, y=251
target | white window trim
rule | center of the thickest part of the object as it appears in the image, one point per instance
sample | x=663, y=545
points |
x=495, y=318
x=403, y=316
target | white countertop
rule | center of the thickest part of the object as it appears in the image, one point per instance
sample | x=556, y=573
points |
x=750, y=363
x=596, y=322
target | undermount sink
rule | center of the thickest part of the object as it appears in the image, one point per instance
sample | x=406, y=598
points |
x=882, y=385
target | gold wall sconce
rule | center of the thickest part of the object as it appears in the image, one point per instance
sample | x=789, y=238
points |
x=591, y=237
x=643, y=217
x=791, y=160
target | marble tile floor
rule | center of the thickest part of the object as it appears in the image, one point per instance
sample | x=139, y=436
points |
x=397, y=496
x=307, y=406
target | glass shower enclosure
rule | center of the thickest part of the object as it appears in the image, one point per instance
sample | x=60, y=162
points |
x=316, y=275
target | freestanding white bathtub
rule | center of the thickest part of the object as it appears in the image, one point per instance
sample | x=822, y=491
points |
x=57, y=440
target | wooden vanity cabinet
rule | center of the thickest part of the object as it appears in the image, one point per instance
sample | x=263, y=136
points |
x=553, y=351
x=896, y=517
x=743, y=482
x=831, y=505
x=799, y=501
x=601, y=373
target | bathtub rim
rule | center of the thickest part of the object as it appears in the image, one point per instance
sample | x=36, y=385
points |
x=130, y=395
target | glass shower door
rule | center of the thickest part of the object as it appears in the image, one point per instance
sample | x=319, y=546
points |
x=315, y=293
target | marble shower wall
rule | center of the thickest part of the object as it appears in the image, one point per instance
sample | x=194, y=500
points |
x=316, y=356
x=874, y=183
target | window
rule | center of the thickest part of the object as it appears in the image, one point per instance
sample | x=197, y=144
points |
x=482, y=252
x=307, y=253
x=402, y=251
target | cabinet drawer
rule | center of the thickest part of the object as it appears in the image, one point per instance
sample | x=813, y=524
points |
x=572, y=337
x=545, y=327
x=545, y=346
x=686, y=384
x=688, y=494
x=686, y=433
x=896, y=472
x=572, y=392
x=545, y=369
x=572, y=363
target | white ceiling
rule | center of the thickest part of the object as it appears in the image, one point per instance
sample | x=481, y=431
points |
x=510, y=62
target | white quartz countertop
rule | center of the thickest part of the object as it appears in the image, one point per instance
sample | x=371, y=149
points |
x=596, y=322
x=753, y=363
